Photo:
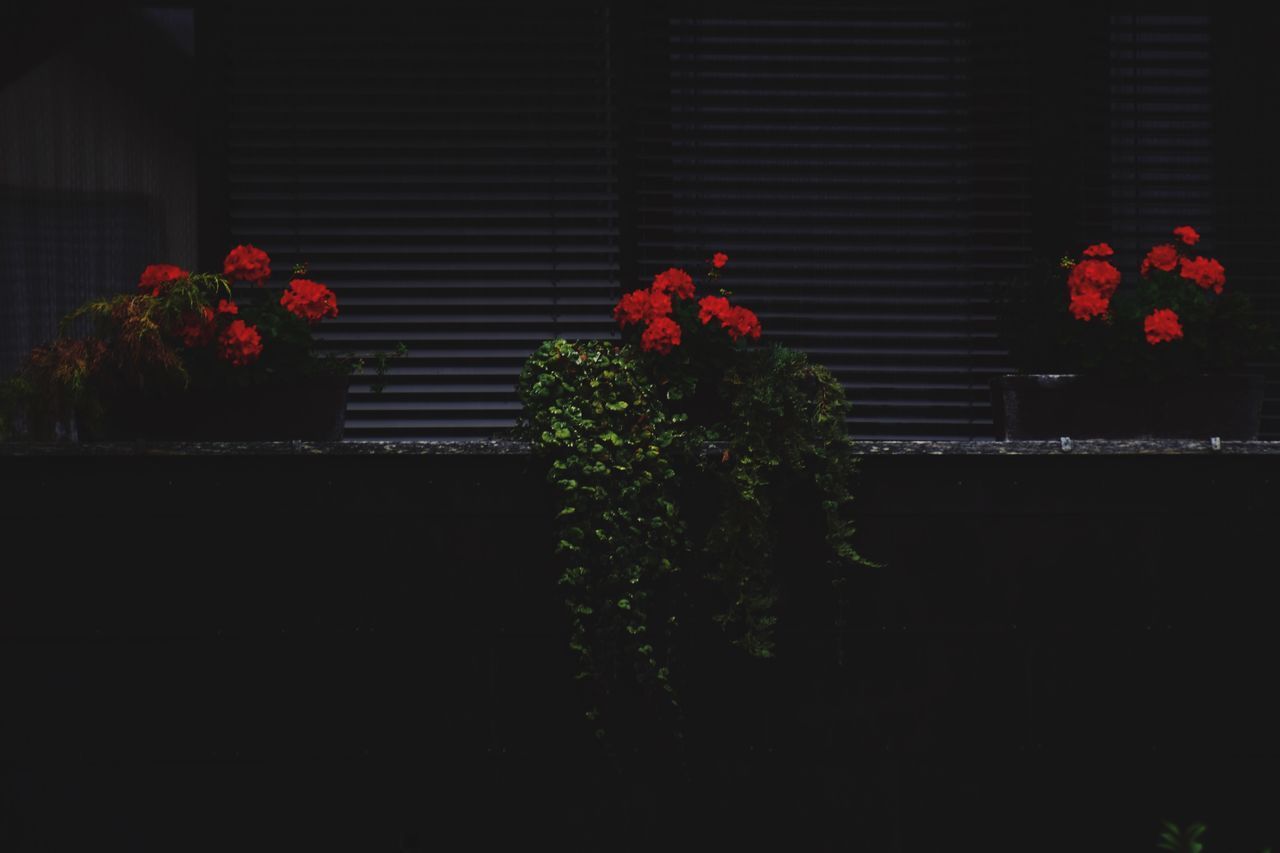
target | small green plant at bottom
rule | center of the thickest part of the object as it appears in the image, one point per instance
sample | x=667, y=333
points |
x=1177, y=840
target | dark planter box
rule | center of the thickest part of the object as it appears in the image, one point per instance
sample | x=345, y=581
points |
x=309, y=408
x=1053, y=405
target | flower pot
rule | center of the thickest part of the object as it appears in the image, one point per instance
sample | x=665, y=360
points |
x=309, y=408
x=1201, y=406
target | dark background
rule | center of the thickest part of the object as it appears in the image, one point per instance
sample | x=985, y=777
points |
x=370, y=651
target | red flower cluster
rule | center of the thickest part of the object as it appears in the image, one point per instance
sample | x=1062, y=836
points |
x=673, y=282
x=202, y=324
x=309, y=300
x=156, y=276
x=661, y=336
x=660, y=310
x=1092, y=283
x=1161, y=326
x=246, y=263
x=641, y=306
x=1163, y=257
x=739, y=322
x=240, y=344
x=1205, y=272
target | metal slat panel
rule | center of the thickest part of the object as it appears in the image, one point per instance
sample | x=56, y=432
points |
x=454, y=185
x=838, y=162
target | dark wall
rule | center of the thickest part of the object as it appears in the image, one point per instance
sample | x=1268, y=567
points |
x=97, y=167
x=369, y=652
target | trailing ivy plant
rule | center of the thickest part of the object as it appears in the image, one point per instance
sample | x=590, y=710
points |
x=595, y=416
x=786, y=418
x=619, y=425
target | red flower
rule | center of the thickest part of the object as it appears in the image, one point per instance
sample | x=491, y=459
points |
x=660, y=336
x=226, y=306
x=713, y=308
x=309, y=300
x=742, y=322
x=1087, y=304
x=641, y=306
x=156, y=276
x=1099, y=250
x=1162, y=257
x=1162, y=325
x=674, y=281
x=240, y=344
x=1205, y=272
x=1092, y=283
x=246, y=263
x=719, y=259
x=196, y=328
x=1187, y=234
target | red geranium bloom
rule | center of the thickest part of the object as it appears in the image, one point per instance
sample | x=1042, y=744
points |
x=641, y=306
x=309, y=300
x=1092, y=283
x=1087, y=304
x=713, y=308
x=196, y=328
x=1099, y=250
x=719, y=259
x=1187, y=234
x=155, y=276
x=226, y=306
x=240, y=344
x=660, y=336
x=1161, y=326
x=674, y=281
x=742, y=322
x=246, y=263
x=1205, y=272
x=1101, y=276
x=1162, y=257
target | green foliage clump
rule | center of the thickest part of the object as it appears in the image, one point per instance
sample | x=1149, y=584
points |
x=592, y=412
x=1177, y=840
x=786, y=417
x=619, y=431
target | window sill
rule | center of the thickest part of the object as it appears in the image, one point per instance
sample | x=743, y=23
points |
x=506, y=447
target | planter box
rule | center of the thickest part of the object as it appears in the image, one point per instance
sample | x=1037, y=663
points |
x=1040, y=406
x=308, y=409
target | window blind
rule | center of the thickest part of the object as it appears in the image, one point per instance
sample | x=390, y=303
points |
x=863, y=172
x=1159, y=141
x=450, y=175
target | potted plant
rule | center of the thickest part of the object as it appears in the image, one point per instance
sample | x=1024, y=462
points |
x=667, y=453
x=1163, y=358
x=189, y=356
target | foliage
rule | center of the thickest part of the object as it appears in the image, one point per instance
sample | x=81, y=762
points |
x=1177, y=840
x=610, y=443
x=625, y=429
x=786, y=417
